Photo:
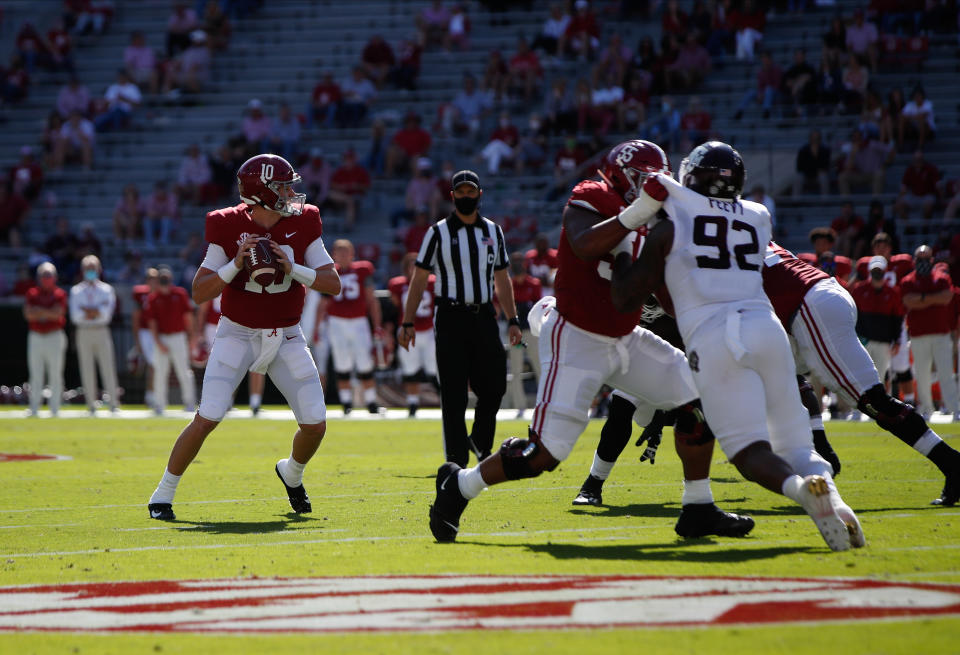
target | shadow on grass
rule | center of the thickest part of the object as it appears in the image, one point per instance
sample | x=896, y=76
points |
x=675, y=551
x=653, y=510
x=429, y=476
x=248, y=527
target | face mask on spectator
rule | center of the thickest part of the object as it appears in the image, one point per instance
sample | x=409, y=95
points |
x=90, y=275
x=924, y=266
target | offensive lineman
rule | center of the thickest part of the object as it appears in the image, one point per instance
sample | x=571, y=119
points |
x=259, y=329
x=584, y=343
x=710, y=255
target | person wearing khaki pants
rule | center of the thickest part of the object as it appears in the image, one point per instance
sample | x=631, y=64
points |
x=92, y=303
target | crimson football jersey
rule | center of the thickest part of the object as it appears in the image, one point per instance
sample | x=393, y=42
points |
x=351, y=302
x=539, y=266
x=582, y=287
x=140, y=293
x=246, y=302
x=897, y=267
x=786, y=280
x=423, y=319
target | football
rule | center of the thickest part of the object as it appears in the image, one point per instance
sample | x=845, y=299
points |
x=262, y=264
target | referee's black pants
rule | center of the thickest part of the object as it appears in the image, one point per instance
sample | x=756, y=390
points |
x=469, y=351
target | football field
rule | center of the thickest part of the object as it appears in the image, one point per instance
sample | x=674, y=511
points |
x=83, y=569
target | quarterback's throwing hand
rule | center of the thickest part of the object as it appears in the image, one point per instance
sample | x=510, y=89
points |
x=285, y=263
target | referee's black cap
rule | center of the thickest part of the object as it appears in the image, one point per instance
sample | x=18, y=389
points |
x=464, y=177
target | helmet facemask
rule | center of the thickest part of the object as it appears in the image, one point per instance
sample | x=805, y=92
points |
x=289, y=202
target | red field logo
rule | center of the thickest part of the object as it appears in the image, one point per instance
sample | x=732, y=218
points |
x=29, y=457
x=436, y=603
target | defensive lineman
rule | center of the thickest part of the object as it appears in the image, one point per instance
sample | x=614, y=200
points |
x=259, y=329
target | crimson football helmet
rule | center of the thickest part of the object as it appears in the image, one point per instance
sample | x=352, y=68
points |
x=627, y=165
x=268, y=180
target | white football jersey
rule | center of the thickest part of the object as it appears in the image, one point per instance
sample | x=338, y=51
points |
x=717, y=253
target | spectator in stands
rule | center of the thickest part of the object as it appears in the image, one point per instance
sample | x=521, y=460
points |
x=813, y=165
x=567, y=161
x=73, y=96
x=217, y=26
x=503, y=141
x=700, y=20
x=647, y=65
x=51, y=132
x=847, y=226
x=14, y=82
x=194, y=177
x=720, y=35
x=674, y=20
x=689, y=68
x=748, y=24
x=128, y=215
x=132, y=271
x=582, y=36
x=358, y=93
x=616, y=58
x=422, y=191
x=864, y=162
x=769, y=79
x=61, y=246
x=189, y=71
x=88, y=243
x=315, y=175
x=434, y=21
x=861, y=39
x=162, y=214
x=409, y=143
x=632, y=110
x=61, y=46
x=835, y=42
x=182, y=21
x=872, y=115
x=496, y=75
x=376, y=157
x=26, y=176
x=467, y=109
x=413, y=235
x=855, y=80
x=559, y=110
x=74, y=141
x=14, y=209
x=84, y=16
x=531, y=150
x=123, y=97
x=324, y=101
x=695, y=124
x=349, y=183
x=829, y=87
x=377, y=59
x=665, y=129
x=458, y=29
x=800, y=83
x=404, y=75
x=918, y=188
x=33, y=48
x=285, y=133
x=256, y=128
x=877, y=230
x=524, y=72
x=916, y=119
x=140, y=62
x=553, y=28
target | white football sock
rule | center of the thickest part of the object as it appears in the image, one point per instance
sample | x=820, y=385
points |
x=696, y=492
x=255, y=399
x=791, y=488
x=292, y=471
x=816, y=422
x=600, y=469
x=927, y=442
x=166, y=489
x=470, y=482
x=369, y=395
x=346, y=396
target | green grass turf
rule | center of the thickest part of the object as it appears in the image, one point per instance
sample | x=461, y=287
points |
x=371, y=484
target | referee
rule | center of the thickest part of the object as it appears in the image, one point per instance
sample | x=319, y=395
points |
x=469, y=257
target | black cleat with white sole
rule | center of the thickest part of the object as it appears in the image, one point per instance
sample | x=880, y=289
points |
x=448, y=505
x=951, y=491
x=299, y=500
x=161, y=511
x=704, y=519
x=591, y=493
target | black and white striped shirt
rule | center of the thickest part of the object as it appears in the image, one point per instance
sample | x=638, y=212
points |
x=464, y=257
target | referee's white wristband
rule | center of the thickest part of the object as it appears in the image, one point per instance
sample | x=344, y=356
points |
x=303, y=274
x=228, y=271
x=640, y=211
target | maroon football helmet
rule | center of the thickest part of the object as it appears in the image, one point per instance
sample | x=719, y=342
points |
x=267, y=180
x=627, y=165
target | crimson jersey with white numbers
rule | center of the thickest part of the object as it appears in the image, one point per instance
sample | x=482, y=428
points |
x=582, y=287
x=786, y=280
x=351, y=302
x=246, y=302
x=423, y=319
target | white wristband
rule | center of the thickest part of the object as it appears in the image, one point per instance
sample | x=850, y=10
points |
x=303, y=274
x=640, y=211
x=228, y=271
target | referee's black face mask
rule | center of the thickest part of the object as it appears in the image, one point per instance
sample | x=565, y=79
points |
x=466, y=205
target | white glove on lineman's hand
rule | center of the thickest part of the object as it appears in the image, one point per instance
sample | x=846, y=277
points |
x=646, y=206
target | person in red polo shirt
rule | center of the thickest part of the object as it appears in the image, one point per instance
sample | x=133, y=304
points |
x=879, y=314
x=918, y=187
x=409, y=144
x=527, y=290
x=169, y=317
x=45, y=308
x=927, y=294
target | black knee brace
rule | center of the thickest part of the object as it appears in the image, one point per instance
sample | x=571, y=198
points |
x=902, y=377
x=691, y=428
x=416, y=377
x=516, y=454
x=343, y=377
x=365, y=376
x=892, y=415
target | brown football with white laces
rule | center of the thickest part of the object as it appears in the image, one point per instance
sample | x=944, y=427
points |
x=262, y=264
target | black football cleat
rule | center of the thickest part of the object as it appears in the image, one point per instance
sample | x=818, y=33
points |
x=591, y=493
x=347, y=408
x=951, y=491
x=412, y=410
x=161, y=511
x=448, y=505
x=703, y=519
x=299, y=500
